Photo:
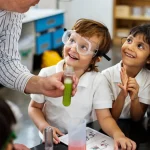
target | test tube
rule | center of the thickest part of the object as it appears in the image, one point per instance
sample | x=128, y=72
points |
x=68, y=73
x=48, y=135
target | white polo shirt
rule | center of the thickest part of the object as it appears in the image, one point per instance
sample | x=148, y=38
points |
x=143, y=79
x=92, y=93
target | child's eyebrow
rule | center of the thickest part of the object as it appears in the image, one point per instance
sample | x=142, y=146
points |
x=130, y=36
x=142, y=42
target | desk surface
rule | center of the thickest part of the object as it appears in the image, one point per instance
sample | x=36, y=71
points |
x=133, y=130
x=36, y=13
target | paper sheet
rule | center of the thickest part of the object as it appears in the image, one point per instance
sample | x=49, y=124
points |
x=94, y=140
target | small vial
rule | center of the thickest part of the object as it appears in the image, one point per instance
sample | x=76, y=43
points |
x=48, y=136
x=68, y=73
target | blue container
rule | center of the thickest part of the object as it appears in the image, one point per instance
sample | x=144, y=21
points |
x=57, y=38
x=43, y=42
x=49, y=22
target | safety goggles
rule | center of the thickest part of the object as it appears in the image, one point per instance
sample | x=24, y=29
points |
x=83, y=46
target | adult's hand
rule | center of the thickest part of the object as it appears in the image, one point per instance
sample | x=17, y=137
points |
x=49, y=86
x=20, y=6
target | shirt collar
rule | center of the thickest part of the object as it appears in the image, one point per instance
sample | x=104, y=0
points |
x=117, y=70
x=59, y=66
x=84, y=79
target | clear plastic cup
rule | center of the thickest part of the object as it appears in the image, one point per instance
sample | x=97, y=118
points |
x=77, y=134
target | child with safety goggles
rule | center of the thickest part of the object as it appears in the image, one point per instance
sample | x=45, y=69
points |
x=84, y=45
x=130, y=79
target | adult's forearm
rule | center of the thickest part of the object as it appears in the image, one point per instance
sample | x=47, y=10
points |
x=34, y=85
x=13, y=74
x=14, y=77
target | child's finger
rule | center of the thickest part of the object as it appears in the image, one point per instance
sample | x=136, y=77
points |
x=59, y=132
x=55, y=141
x=129, y=145
x=133, y=145
x=132, y=85
x=124, y=77
x=115, y=146
x=132, y=80
x=55, y=137
x=121, y=86
x=132, y=90
x=123, y=145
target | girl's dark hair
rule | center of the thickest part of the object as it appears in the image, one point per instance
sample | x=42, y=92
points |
x=145, y=30
x=89, y=28
x=7, y=119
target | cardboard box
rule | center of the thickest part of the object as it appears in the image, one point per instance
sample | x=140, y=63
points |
x=122, y=11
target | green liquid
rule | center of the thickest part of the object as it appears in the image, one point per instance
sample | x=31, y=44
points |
x=67, y=92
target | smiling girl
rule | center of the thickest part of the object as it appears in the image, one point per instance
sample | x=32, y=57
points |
x=130, y=79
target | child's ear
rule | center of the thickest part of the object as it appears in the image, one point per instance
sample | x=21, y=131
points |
x=99, y=59
x=148, y=60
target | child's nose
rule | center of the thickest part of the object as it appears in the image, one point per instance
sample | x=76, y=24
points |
x=131, y=47
x=74, y=48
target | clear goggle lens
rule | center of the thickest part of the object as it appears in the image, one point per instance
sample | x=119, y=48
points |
x=123, y=40
x=72, y=39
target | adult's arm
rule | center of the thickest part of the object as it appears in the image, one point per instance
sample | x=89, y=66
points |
x=12, y=73
x=17, y=5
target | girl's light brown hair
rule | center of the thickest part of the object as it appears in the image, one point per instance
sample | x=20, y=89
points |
x=89, y=28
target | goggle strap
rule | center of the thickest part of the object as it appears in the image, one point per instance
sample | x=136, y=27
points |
x=65, y=29
x=106, y=57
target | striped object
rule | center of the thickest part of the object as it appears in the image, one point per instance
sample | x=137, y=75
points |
x=12, y=73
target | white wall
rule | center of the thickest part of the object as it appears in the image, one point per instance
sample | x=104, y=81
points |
x=47, y=4
x=100, y=10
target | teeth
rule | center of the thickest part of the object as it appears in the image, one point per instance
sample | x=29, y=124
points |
x=73, y=57
x=129, y=55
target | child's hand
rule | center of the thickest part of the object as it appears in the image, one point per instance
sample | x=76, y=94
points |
x=124, y=80
x=56, y=133
x=124, y=143
x=133, y=88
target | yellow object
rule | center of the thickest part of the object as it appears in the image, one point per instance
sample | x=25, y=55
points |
x=50, y=58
